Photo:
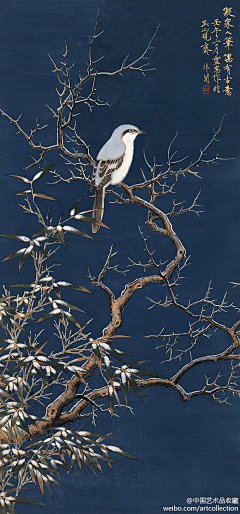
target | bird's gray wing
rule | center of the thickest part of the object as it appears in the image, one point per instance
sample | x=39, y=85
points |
x=113, y=149
x=105, y=169
x=93, y=176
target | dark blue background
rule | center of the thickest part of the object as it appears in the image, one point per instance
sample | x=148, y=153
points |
x=189, y=449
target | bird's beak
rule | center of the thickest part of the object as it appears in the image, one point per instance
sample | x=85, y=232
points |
x=142, y=132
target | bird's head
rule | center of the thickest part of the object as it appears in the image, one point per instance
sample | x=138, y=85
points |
x=130, y=132
x=126, y=133
x=121, y=137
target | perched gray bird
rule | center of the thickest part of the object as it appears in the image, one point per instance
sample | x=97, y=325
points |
x=112, y=165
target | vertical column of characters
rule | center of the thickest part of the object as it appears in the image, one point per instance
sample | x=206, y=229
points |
x=228, y=43
x=205, y=50
x=216, y=58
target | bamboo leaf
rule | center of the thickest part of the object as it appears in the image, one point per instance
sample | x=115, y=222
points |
x=40, y=247
x=134, y=385
x=111, y=399
x=22, y=178
x=61, y=234
x=88, y=219
x=117, y=336
x=22, y=499
x=25, y=239
x=40, y=481
x=3, y=508
x=25, y=256
x=111, y=350
x=27, y=286
x=69, y=305
x=108, y=367
x=65, y=466
x=18, y=468
x=75, y=207
x=148, y=373
x=45, y=197
x=47, y=239
x=42, y=374
x=44, y=171
x=71, y=317
x=89, y=466
x=93, y=458
x=27, y=191
x=4, y=298
x=14, y=254
x=11, y=509
x=97, y=353
x=17, y=325
x=136, y=363
x=82, y=434
x=70, y=285
x=75, y=231
x=124, y=383
x=7, y=395
x=49, y=315
x=117, y=398
x=49, y=487
x=118, y=450
x=56, y=365
x=45, y=230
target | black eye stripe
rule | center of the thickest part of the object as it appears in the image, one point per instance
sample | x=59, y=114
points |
x=129, y=130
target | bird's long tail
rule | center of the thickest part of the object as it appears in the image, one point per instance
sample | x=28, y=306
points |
x=98, y=208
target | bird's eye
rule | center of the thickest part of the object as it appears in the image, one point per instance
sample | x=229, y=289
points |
x=129, y=131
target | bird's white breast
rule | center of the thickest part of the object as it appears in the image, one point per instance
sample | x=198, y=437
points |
x=120, y=174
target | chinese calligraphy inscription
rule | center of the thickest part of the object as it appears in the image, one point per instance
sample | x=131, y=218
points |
x=217, y=50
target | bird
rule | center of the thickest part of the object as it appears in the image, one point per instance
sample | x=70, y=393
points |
x=112, y=165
